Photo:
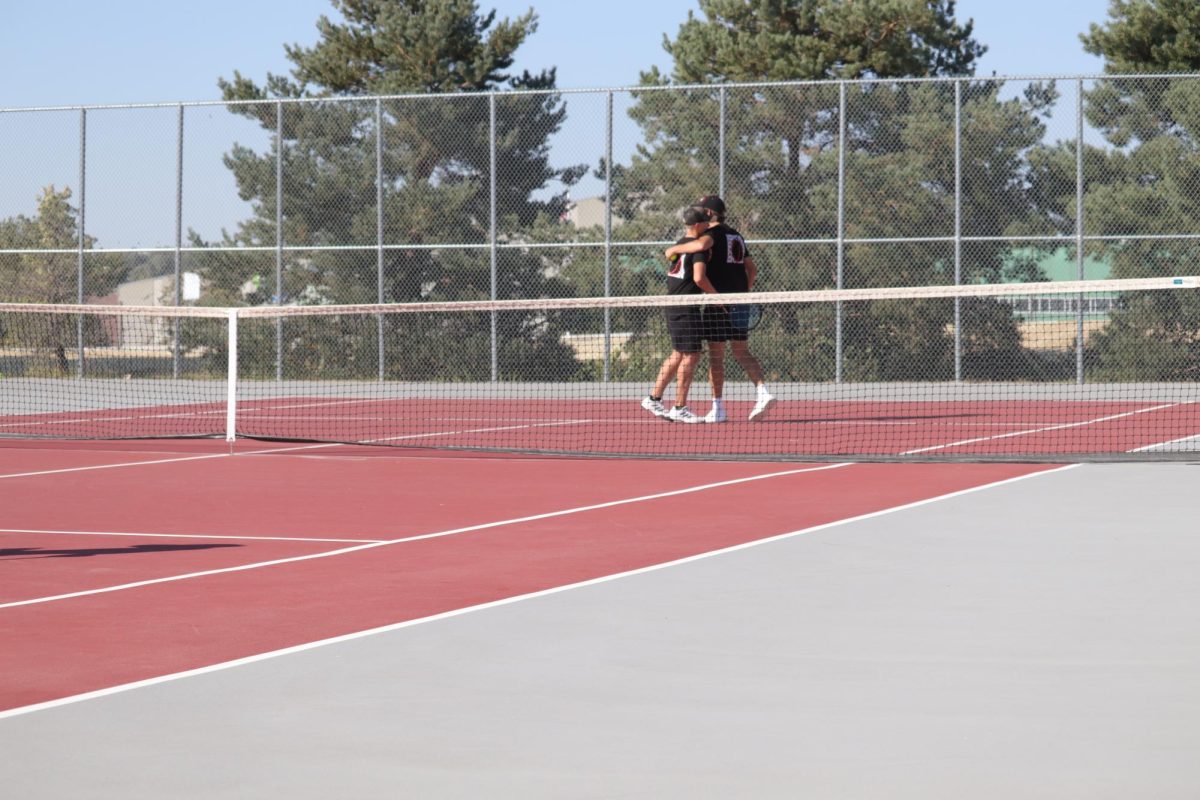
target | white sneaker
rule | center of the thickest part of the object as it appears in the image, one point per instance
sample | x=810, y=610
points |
x=717, y=414
x=683, y=415
x=655, y=407
x=765, y=401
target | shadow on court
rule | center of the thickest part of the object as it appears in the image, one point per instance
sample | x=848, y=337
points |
x=13, y=553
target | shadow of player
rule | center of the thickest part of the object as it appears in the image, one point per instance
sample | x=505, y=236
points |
x=87, y=552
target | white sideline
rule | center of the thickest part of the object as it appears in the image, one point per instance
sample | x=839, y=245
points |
x=1195, y=437
x=112, y=690
x=1040, y=430
x=420, y=537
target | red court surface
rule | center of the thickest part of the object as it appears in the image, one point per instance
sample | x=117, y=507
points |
x=999, y=427
x=219, y=557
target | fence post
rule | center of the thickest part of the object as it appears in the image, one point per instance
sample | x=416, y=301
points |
x=608, y=149
x=79, y=368
x=721, y=146
x=1079, y=226
x=841, y=232
x=958, y=276
x=278, y=237
x=379, y=227
x=492, y=225
x=178, y=242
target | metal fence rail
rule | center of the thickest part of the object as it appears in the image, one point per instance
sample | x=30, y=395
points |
x=837, y=184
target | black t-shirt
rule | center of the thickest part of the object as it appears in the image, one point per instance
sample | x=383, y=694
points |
x=681, y=279
x=727, y=262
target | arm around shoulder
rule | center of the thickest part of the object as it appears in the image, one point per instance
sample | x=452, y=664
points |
x=694, y=246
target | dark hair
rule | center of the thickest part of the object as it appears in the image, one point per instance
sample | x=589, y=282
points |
x=713, y=204
x=694, y=216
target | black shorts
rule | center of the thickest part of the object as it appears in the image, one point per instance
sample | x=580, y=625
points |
x=686, y=327
x=718, y=327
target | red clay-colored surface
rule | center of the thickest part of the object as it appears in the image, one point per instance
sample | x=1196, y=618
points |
x=312, y=493
x=42, y=565
x=64, y=647
x=797, y=428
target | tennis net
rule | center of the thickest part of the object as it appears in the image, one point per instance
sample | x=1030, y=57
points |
x=1095, y=370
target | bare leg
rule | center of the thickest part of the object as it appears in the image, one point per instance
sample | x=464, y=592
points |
x=716, y=368
x=741, y=352
x=666, y=372
x=687, y=370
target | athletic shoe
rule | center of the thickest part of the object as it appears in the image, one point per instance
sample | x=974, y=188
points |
x=655, y=407
x=683, y=415
x=765, y=401
x=717, y=414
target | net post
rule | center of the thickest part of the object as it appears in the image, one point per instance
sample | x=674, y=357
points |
x=608, y=149
x=178, y=243
x=379, y=226
x=231, y=377
x=958, y=276
x=841, y=232
x=1079, y=227
x=82, y=238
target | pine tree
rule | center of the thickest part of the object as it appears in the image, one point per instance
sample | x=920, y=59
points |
x=1147, y=183
x=782, y=164
x=436, y=164
x=52, y=278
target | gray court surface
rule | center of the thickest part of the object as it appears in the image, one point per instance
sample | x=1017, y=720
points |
x=1039, y=639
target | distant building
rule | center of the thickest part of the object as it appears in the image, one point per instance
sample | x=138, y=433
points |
x=139, y=332
x=1050, y=322
x=589, y=213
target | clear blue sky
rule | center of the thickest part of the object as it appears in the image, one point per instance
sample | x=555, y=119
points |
x=83, y=51
x=86, y=52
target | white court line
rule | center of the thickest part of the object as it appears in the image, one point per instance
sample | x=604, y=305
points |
x=638, y=419
x=420, y=537
x=99, y=420
x=129, y=415
x=112, y=690
x=122, y=464
x=189, y=536
x=1039, y=430
x=245, y=405
x=286, y=449
x=1195, y=437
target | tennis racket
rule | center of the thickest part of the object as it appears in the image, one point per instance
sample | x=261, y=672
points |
x=745, y=317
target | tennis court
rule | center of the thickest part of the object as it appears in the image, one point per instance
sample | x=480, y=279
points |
x=898, y=428
x=264, y=618
x=231, y=572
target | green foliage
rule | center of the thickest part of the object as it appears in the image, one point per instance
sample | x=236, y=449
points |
x=1147, y=36
x=52, y=277
x=434, y=159
x=781, y=173
x=1155, y=336
x=765, y=40
x=1148, y=183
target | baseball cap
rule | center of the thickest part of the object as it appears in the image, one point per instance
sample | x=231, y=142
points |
x=712, y=203
x=693, y=216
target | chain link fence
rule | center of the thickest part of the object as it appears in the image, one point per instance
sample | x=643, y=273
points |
x=507, y=195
